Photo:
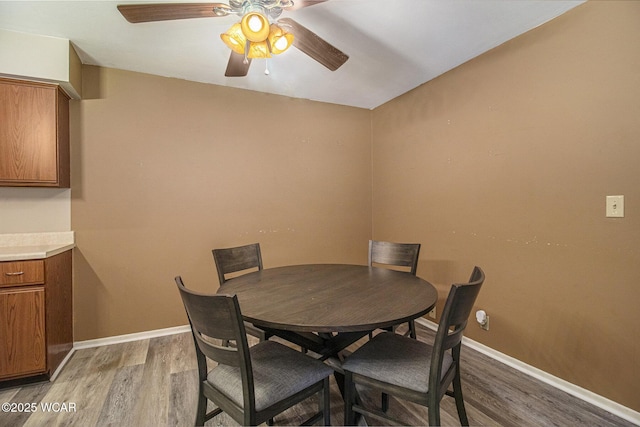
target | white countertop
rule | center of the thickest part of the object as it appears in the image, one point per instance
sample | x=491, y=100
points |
x=23, y=246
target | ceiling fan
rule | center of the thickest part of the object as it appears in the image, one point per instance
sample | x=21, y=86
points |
x=254, y=36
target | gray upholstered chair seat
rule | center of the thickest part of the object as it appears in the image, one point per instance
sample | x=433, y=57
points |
x=391, y=358
x=278, y=372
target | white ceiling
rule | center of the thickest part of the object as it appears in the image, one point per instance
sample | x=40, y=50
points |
x=393, y=45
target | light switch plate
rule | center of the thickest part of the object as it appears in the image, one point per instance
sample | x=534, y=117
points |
x=615, y=206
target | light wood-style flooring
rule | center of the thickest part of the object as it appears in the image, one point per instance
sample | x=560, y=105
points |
x=153, y=383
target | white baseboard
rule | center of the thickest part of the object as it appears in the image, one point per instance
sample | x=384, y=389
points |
x=574, y=390
x=130, y=337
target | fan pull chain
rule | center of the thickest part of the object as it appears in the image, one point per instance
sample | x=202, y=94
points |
x=246, y=52
x=266, y=60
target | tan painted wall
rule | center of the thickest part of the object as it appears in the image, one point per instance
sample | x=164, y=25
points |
x=164, y=170
x=505, y=162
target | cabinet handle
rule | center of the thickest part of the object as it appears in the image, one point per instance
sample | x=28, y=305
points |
x=18, y=273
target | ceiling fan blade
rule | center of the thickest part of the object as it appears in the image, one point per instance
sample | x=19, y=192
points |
x=311, y=44
x=299, y=4
x=136, y=13
x=236, y=66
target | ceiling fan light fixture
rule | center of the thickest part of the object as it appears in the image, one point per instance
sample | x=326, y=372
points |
x=234, y=39
x=255, y=26
x=279, y=39
x=254, y=36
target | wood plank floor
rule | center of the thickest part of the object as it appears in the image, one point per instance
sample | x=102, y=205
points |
x=153, y=383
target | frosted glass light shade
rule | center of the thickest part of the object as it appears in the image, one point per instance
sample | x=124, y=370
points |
x=234, y=39
x=255, y=27
x=279, y=39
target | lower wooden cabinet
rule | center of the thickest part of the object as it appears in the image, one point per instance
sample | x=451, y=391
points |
x=36, y=318
x=22, y=332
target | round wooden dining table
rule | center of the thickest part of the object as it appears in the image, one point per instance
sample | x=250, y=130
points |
x=327, y=307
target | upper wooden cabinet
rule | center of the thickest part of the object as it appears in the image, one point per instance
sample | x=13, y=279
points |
x=34, y=134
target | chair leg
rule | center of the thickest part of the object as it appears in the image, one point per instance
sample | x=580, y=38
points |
x=349, y=398
x=326, y=403
x=457, y=394
x=385, y=402
x=434, y=411
x=201, y=412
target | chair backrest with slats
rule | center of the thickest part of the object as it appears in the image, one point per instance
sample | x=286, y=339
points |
x=240, y=258
x=215, y=318
x=454, y=320
x=395, y=254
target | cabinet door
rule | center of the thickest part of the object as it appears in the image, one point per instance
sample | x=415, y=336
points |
x=22, y=332
x=28, y=134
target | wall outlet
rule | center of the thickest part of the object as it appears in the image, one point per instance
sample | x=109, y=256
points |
x=483, y=319
x=485, y=325
x=432, y=313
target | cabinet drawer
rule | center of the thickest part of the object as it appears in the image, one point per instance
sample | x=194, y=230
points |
x=14, y=273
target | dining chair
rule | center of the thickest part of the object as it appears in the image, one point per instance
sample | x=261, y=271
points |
x=250, y=384
x=413, y=370
x=235, y=260
x=404, y=255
